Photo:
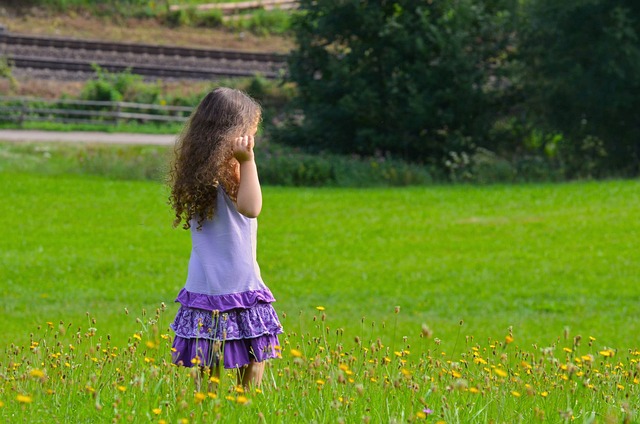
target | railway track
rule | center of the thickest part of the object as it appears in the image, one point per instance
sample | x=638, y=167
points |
x=77, y=57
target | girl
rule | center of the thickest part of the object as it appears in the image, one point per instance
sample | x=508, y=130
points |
x=225, y=307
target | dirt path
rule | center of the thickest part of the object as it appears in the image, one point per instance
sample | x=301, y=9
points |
x=86, y=137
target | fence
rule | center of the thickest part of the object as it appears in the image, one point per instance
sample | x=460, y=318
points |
x=28, y=109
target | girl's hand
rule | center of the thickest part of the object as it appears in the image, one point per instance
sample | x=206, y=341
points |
x=243, y=148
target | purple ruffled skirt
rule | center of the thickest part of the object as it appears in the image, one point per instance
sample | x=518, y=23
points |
x=239, y=334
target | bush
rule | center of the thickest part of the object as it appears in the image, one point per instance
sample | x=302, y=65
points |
x=290, y=167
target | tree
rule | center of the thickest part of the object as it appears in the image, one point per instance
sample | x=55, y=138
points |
x=582, y=64
x=408, y=78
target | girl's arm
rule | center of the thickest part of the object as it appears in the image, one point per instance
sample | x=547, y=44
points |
x=249, y=201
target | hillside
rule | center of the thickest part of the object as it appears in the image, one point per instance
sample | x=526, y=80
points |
x=39, y=22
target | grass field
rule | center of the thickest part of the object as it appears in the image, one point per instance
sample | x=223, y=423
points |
x=515, y=269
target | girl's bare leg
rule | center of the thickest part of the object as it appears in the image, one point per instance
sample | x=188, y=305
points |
x=251, y=375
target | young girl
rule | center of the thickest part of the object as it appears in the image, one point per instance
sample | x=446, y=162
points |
x=225, y=307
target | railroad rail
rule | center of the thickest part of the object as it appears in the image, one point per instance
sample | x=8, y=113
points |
x=70, y=54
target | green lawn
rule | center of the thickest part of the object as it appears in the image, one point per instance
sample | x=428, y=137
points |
x=547, y=262
x=537, y=258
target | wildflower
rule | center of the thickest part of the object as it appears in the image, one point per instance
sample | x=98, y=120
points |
x=320, y=308
x=607, y=353
x=199, y=397
x=156, y=411
x=212, y=395
x=566, y=349
x=36, y=373
x=296, y=353
x=516, y=394
x=426, y=331
x=500, y=372
x=137, y=336
x=1, y=404
x=319, y=382
x=122, y=388
x=508, y=339
x=242, y=400
x=214, y=379
x=24, y=398
x=150, y=344
x=544, y=394
x=239, y=389
x=474, y=390
x=427, y=411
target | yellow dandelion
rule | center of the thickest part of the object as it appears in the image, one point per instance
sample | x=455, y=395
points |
x=607, y=353
x=421, y=415
x=566, y=349
x=406, y=372
x=508, y=339
x=1, y=404
x=122, y=388
x=239, y=389
x=620, y=387
x=474, y=390
x=36, y=373
x=162, y=422
x=516, y=394
x=214, y=379
x=544, y=394
x=184, y=421
x=196, y=361
x=150, y=344
x=296, y=353
x=479, y=360
x=24, y=398
x=212, y=395
x=258, y=390
x=319, y=382
x=199, y=397
x=593, y=339
x=242, y=400
x=156, y=411
x=137, y=336
x=500, y=372
x=320, y=308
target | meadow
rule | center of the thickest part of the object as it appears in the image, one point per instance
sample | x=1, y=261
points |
x=446, y=303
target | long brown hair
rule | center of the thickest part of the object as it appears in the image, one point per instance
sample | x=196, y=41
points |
x=203, y=156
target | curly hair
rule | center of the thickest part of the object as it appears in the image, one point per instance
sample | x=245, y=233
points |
x=203, y=157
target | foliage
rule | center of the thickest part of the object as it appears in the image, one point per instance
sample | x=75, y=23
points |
x=260, y=22
x=120, y=86
x=582, y=65
x=408, y=78
x=277, y=165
